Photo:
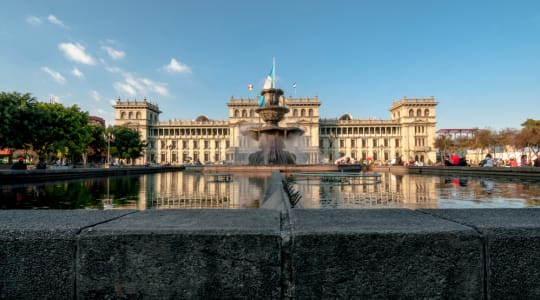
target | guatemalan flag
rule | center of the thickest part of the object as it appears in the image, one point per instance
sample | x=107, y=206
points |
x=269, y=83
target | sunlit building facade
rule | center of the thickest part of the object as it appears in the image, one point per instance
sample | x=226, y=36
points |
x=408, y=134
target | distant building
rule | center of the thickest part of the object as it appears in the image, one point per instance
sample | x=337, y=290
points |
x=96, y=120
x=455, y=133
x=409, y=134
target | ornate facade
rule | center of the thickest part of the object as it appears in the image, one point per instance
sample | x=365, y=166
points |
x=409, y=134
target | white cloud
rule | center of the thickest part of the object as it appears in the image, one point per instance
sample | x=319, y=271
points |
x=54, y=20
x=158, y=88
x=110, y=69
x=125, y=89
x=135, y=83
x=113, y=69
x=95, y=94
x=177, y=67
x=55, y=75
x=33, y=20
x=113, y=53
x=77, y=73
x=143, y=86
x=75, y=52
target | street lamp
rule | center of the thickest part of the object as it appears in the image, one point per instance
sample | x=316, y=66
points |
x=109, y=136
x=331, y=139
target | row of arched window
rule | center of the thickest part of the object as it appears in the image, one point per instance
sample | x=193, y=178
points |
x=296, y=112
x=419, y=112
x=136, y=116
x=130, y=115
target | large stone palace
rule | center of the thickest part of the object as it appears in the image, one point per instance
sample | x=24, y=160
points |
x=409, y=134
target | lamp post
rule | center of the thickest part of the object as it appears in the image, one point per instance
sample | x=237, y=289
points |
x=109, y=136
x=331, y=138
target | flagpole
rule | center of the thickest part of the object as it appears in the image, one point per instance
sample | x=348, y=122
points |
x=274, y=75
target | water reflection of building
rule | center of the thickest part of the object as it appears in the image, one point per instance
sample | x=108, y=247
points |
x=195, y=190
x=409, y=133
x=393, y=191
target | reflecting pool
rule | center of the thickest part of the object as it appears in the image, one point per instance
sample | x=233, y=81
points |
x=185, y=190
x=418, y=191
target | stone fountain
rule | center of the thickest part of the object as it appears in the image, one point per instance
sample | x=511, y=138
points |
x=271, y=136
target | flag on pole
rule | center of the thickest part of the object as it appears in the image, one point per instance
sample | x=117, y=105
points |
x=250, y=87
x=261, y=101
x=294, y=85
x=270, y=79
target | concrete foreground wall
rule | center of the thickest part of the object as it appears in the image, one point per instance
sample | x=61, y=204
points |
x=270, y=254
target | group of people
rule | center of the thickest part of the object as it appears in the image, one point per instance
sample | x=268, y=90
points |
x=512, y=162
x=21, y=165
x=488, y=161
x=455, y=160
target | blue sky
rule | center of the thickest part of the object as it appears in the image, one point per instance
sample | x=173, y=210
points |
x=479, y=59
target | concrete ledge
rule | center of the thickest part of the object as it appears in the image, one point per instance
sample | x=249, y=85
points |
x=269, y=254
x=183, y=254
x=38, y=251
x=384, y=254
x=512, y=242
x=522, y=173
x=269, y=169
x=34, y=175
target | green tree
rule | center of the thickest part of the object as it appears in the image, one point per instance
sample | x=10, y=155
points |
x=485, y=140
x=97, y=146
x=506, y=139
x=529, y=136
x=127, y=143
x=16, y=122
x=68, y=131
x=444, y=143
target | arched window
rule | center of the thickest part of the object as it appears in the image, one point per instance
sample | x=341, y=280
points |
x=130, y=115
x=303, y=113
x=411, y=113
x=123, y=115
x=426, y=113
x=138, y=115
x=244, y=113
x=295, y=112
x=251, y=113
x=236, y=113
x=310, y=112
x=419, y=112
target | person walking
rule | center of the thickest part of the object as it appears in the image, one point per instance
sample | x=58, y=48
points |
x=19, y=165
